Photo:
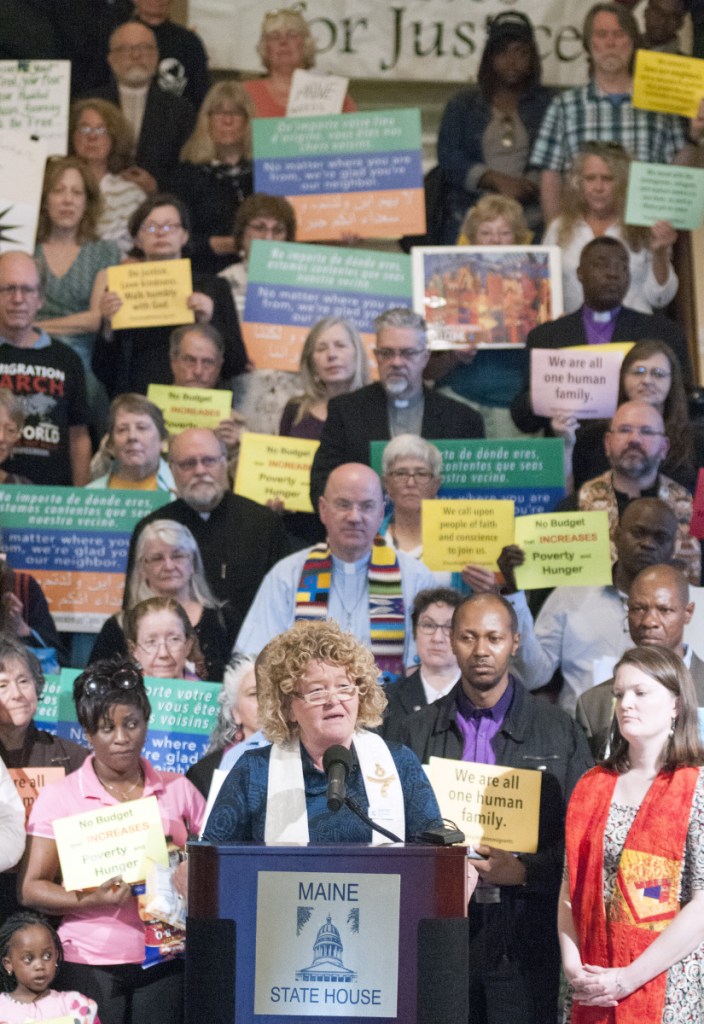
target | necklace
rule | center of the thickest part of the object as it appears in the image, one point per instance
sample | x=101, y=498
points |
x=349, y=612
x=122, y=795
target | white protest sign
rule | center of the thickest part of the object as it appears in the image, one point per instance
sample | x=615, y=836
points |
x=313, y=93
x=583, y=383
x=35, y=98
x=22, y=162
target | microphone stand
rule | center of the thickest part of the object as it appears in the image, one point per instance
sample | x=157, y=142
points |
x=356, y=809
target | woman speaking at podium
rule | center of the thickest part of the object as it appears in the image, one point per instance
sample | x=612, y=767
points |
x=318, y=688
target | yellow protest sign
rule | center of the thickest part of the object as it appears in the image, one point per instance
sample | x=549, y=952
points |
x=570, y=548
x=190, y=407
x=668, y=83
x=98, y=845
x=153, y=294
x=276, y=467
x=490, y=803
x=29, y=782
x=457, y=533
x=624, y=347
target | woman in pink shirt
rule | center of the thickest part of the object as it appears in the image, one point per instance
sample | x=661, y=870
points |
x=101, y=930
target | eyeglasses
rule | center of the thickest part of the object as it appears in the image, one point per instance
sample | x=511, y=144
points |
x=205, y=362
x=160, y=229
x=385, y=355
x=628, y=431
x=138, y=48
x=365, y=507
x=222, y=112
x=159, y=558
x=99, y=683
x=429, y=628
x=23, y=289
x=173, y=644
x=89, y=130
x=343, y=693
x=643, y=371
x=260, y=227
x=206, y=461
x=404, y=475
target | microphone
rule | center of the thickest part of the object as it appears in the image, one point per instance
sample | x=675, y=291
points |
x=337, y=762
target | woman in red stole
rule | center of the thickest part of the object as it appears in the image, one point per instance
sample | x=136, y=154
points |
x=631, y=913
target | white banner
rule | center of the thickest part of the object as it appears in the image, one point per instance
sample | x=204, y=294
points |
x=427, y=40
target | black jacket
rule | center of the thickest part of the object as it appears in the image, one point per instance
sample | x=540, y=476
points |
x=362, y=416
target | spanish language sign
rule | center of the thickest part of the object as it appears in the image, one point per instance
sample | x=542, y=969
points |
x=327, y=945
x=190, y=407
x=581, y=383
x=29, y=782
x=34, y=100
x=153, y=294
x=570, y=548
x=528, y=471
x=291, y=286
x=489, y=295
x=22, y=161
x=96, y=846
x=665, y=192
x=458, y=533
x=184, y=713
x=276, y=467
x=492, y=804
x=74, y=542
x=344, y=174
x=668, y=83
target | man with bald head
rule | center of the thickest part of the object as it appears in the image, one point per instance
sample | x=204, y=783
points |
x=47, y=377
x=658, y=611
x=353, y=577
x=636, y=444
x=238, y=539
x=161, y=122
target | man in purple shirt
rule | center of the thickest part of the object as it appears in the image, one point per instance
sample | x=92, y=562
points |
x=605, y=276
x=490, y=718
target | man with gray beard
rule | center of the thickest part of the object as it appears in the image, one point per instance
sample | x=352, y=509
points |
x=398, y=403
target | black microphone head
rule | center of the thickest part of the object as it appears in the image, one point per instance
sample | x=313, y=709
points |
x=337, y=755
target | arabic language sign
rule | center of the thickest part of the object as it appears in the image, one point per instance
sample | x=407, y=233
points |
x=75, y=543
x=344, y=174
x=528, y=471
x=291, y=286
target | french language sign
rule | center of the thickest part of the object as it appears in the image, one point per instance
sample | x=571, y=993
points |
x=668, y=83
x=582, y=383
x=153, y=294
x=272, y=467
x=665, y=192
x=292, y=286
x=184, y=713
x=75, y=543
x=528, y=471
x=96, y=846
x=570, y=548
x=344, y=174
x=190, y=407
x=22, y=161
x=491, y=804
x=34, y=100
x=458, y=533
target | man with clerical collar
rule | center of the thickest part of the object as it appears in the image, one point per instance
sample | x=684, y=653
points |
x=636, y=444
x=238, y=539
x=354, y=577
x=659, y=608
x=489, y=718
x=605, y=277
x=398, y=403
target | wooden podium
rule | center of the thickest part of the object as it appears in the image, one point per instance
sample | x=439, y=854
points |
x=338, y=934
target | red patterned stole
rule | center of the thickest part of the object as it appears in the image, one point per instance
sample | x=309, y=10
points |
x=387, y=617
x=647, y=886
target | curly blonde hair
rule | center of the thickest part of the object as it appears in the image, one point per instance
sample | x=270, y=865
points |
x=287, y=18
x=491, y=206
x=284, y=660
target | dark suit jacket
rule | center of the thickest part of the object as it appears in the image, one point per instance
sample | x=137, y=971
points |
x=167, y=124
x=362, y=416
x=595, y=708
x=404, y=697
x=569, y=330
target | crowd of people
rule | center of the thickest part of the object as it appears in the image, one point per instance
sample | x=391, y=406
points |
x=327, y=628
